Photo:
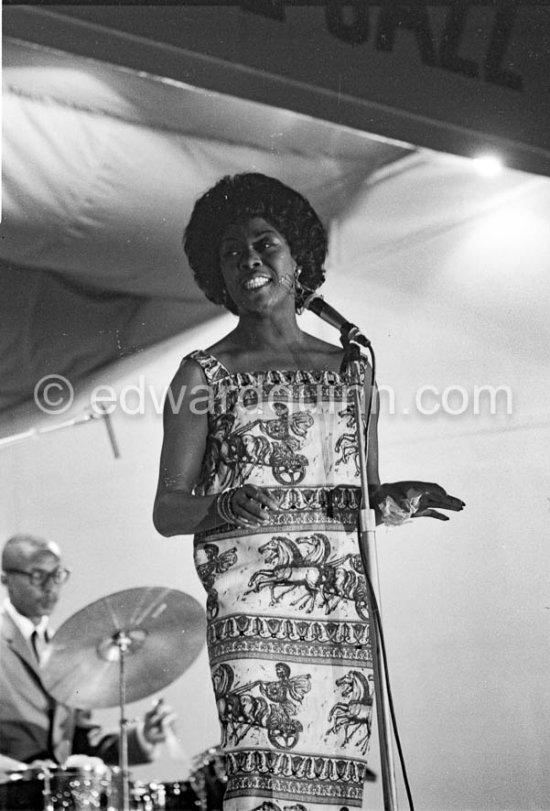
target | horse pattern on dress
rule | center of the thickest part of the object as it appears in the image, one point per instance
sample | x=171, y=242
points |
x=308, y=565
x=353, y=715
x=271, y=705
x=287, y=604
x=234, y=450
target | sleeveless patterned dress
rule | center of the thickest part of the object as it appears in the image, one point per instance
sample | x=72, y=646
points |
x=288, y=637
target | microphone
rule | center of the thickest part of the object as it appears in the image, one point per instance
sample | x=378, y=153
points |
x=348, y=331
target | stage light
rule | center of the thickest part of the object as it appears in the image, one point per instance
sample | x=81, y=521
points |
x=488, y=165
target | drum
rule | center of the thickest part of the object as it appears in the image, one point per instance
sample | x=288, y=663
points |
x=23, y=791
x=208, y=779
x=203, y=791
x=140, y=795
x=178, y=796
x=78, y=789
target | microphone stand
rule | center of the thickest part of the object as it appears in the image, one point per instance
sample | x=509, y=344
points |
x=366, y=530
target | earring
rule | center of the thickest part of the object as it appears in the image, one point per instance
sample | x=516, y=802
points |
x=299, y=291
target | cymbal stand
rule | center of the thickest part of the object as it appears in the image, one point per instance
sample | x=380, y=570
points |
x=123, y=642
x=47, y=791
x=367, y=546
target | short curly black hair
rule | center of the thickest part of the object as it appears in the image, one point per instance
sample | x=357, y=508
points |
x=239, y=198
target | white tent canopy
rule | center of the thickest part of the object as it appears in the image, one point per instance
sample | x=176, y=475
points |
x=101, y=169
x=444, y=269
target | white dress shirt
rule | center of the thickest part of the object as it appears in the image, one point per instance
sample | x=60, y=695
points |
x=27, y=626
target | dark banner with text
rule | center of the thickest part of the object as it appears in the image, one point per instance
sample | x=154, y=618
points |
x=456, y=76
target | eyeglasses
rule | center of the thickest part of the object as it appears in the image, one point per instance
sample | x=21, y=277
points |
x=39, y=577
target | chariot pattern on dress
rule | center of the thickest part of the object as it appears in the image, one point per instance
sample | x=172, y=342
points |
x=287, y=608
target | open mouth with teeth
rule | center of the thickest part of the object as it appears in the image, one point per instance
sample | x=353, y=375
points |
x=256, y=282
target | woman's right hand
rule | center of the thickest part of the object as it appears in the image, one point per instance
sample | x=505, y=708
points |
x=251, y=505
x=426, y=498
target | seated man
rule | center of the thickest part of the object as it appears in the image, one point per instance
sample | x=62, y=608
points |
x=34, y=727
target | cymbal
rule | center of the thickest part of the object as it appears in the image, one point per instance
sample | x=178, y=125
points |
x=160, y=630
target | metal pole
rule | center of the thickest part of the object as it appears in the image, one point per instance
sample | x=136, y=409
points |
x=367, y=548
x=123, y=641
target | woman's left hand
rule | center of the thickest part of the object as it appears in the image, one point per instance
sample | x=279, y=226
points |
x=419, y=499
x=251, y=505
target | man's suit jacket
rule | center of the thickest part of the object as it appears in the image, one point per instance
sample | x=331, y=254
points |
x=35, y=726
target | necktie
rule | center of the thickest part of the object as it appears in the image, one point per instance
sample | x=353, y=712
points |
x=39, y=644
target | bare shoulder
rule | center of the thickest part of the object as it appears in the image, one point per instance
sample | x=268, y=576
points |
x=219, y=346
x=188, y=373
x=188, y=384
x=189, y=377
x=322, y=354
x=318, y=345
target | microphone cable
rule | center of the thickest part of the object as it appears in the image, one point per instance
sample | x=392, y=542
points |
x=374, y=601
x=389, y=694
x=351, y=334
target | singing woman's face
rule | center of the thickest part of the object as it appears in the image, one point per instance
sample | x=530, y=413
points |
x=257, y=266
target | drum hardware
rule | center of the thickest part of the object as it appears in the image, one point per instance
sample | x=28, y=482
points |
x=99, y=788
x=207, y=779
x=23, y=790
x=203, y=790
x=120, y=649
x=77, y=789
x=58, y=789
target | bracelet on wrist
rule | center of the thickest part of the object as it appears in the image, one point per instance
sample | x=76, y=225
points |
x=224, y=507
